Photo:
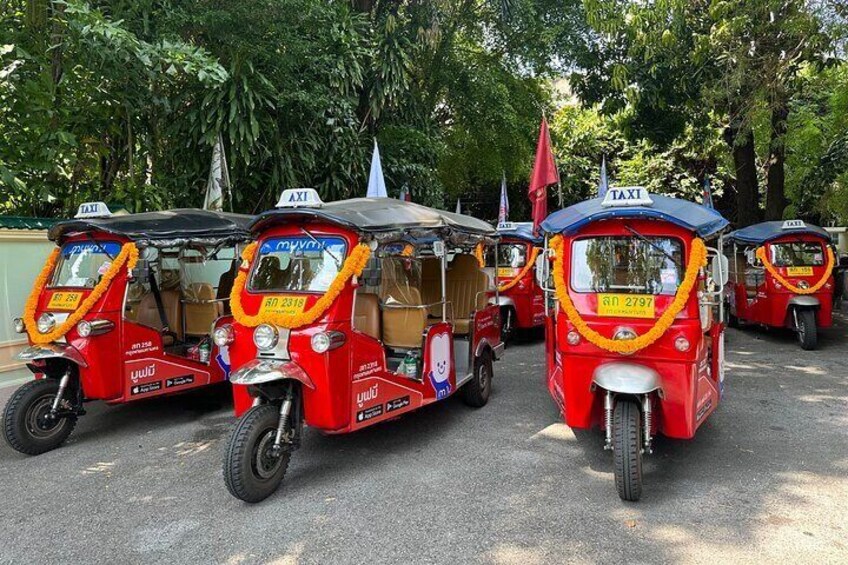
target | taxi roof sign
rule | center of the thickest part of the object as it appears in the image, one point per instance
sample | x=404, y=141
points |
x=506, y=226
x=300, y=198
x=793, y=225
x=93, y=210
x=627, y=196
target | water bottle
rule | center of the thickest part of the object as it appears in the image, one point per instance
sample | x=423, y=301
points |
x=204, y=350
x=410, y=365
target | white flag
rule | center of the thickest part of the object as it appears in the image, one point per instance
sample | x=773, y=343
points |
x=376, y=183
x=603, y=184
x=219, y=178
x=503, y=209
x=458, y=207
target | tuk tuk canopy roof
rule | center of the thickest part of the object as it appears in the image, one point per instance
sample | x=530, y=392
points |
x=165, y=227
x=689, y=215
x=374, y=215
x=764, y=232
x=521, y=230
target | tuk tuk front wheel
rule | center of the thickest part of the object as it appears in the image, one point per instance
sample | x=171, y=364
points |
x=627, y=449
x=807, y=332
x=253, y=468
x=27, y=421
x=476, y=392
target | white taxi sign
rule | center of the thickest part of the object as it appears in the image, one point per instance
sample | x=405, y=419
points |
x=627, y=196
x=93, y=210
x=506, y=226
x=793, y=225
x=300, y=198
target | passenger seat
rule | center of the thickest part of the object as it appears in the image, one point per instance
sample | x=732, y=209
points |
x=148, y=314
x=467, y=288
x=201, y=309
x=403, y=327
x=366, y=315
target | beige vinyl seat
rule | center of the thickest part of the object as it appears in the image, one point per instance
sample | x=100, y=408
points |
x=201, y=309
x=366, y=314
x=466, y=291
x=148, y=314
x=403, y=317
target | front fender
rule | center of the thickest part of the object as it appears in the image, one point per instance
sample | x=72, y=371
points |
x=626, y=378
x=53, y=351
x=261, y=371
x=804, y=302
x=505, y=301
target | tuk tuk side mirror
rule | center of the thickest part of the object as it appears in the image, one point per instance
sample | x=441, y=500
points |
x=720, y=269
x=542, y=268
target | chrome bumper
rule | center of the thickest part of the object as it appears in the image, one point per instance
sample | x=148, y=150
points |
x=53, y=351
x=626, y=378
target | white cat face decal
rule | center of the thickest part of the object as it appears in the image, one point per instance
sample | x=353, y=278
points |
x=440, y=357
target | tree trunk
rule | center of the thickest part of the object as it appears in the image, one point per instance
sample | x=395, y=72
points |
x=740, y=137
x=776, y=187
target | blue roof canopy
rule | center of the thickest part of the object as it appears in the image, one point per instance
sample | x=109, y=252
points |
x=689, y=215
x=520, y=230
x=764, y=232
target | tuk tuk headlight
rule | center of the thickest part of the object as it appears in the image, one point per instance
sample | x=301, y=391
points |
x=20, y=326
x=325, y=341
x=88, y=328
x=46, y=323
x=573, y=338
x=265, y=337
x=223, y=336
x=804, y=284
x=681, y=344
x=84, y=328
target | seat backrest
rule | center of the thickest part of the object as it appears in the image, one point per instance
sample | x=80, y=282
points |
x=148, y=313
x=202, y=312
x=366, y=314
x=431, y=284
x=403, y=327
x=466, y=286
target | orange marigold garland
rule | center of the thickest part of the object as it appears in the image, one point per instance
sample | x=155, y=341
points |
x=526, y=269
x=697, y=260
x=761, y=255
x=128, y=256
x=352, y=266
x=478, y=252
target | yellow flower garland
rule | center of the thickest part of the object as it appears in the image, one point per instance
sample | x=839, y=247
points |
x=352, y=266
x=478, y=252
x=508, y=285
x=128, y=256
x=697, y=260
x=761, y=254
x=408, y=250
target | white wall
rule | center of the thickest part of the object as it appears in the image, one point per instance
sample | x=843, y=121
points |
x=22, y=255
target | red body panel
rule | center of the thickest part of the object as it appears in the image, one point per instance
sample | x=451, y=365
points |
x=527, y=296
x=129, y=362
x=770, y=306
x=353, y=387
x=690, y=383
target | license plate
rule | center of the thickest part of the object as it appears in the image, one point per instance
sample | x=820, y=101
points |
x=64, y=300
x=626, y=305
x=505, y=272
x=285, y=305
x=800, y=271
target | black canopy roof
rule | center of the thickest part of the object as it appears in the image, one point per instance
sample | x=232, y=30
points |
x=179, y=225
x=374, y=215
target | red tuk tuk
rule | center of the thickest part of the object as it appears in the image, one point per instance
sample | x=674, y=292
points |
x=781, y=276
x=348, y=314
x=521, y=298
x=123, y=310
x=633, y=342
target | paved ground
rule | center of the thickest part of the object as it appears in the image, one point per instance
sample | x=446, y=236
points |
x=766, y=479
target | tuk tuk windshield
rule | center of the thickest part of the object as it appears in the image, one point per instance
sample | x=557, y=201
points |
x=82, y=264
x=630, y=265
x=299, y=264
x=509, y=255
x=797, y=254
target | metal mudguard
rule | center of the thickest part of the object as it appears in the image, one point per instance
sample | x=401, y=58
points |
x=626, y=378
x=53, y=351
x=261, y=371
x=505, y=301
x=804, y=301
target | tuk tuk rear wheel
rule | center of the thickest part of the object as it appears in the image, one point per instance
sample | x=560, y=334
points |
x=807, y=331
x=252, y=471
x=27, y=424
x=476, y=392
x=627, y=449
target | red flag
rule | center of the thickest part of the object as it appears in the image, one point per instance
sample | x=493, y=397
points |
x=545, y=173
